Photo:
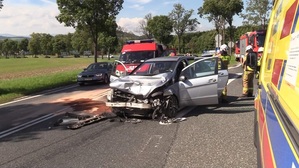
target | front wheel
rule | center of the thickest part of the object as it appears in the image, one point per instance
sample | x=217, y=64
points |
x=106, y=79
x=172, y=106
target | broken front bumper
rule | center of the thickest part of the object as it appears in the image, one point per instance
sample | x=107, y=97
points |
x=129, y=105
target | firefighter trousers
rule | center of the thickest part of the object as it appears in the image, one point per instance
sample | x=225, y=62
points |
x=248, y=77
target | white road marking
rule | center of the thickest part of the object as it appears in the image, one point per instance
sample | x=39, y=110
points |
x=237, y=75
x=31, y=123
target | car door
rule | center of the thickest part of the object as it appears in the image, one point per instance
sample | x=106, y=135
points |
x=199, y=82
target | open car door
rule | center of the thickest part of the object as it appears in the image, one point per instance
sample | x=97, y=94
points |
x=198, y=83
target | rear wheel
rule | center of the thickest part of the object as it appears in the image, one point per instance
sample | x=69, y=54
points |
x=172, y=106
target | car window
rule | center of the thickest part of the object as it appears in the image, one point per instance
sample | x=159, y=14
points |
x=154, y=68
x=91, y=67
x=200, y=68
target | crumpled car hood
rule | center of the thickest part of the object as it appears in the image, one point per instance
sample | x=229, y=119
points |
x=140, y=85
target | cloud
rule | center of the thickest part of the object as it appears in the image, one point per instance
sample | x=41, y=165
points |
x=169, y=2
x=137, y=7
x=49, y=2
x=130, y=24
x=24, y=19
x=140, y=1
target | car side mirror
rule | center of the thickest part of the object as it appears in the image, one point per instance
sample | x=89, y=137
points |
x=182, y=78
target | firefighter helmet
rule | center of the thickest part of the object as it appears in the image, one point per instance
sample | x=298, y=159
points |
x=249, y=47
x=223, y=47
x=261, y=49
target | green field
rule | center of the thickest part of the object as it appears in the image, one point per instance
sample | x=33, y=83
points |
x=23, y=76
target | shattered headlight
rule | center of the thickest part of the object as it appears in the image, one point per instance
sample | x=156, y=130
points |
x=156, y=102
x=110, y=95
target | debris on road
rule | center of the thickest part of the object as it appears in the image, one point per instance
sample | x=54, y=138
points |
x=84, y=111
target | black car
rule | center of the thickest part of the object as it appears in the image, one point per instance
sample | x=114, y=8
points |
x=95, y=72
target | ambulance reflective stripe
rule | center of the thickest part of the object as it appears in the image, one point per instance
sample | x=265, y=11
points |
x=289, y=18
x=276, y=148
x=296, y=19
x=276, y=71
x=281, y=74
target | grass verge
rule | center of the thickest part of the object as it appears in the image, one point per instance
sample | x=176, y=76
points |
x=14, y=88
x=24, y=76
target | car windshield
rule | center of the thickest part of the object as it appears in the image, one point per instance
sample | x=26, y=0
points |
x=97, y=66
x=261, y=39
x=154, y=68
x=136, y=56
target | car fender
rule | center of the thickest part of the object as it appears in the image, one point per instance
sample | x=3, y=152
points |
x=168, y=92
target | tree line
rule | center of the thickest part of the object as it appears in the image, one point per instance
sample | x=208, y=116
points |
x=96, y=29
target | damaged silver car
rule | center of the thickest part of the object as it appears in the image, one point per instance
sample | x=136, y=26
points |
x=159, y=87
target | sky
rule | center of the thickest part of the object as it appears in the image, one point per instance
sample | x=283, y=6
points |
x=23, y=17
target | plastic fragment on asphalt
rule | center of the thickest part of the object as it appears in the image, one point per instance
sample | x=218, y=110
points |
x=174, y=120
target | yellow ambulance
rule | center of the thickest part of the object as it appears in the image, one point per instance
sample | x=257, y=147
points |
x=277, y=99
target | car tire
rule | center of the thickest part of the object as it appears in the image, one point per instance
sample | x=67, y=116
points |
x=171, y=106
x=81, y=84
x=106, y=79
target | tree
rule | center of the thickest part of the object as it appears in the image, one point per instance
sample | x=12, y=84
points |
x=182, y=21
x=46, y=43
x=257, y=13
x=161, y=28
x=23, y=46
x=221, y=12
x=1, y=4
x=59, y=45
x=144, y=25
x=81, y=41
x=89, y=15
x=108, y=39
x=9, y=47
x=34, y=44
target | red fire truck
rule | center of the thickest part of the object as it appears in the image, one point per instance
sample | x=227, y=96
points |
x=134, y=52
x=254, y=38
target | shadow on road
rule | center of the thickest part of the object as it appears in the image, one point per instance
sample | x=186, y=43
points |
x=235, y=105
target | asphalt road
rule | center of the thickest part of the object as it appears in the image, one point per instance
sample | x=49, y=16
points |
x=212, y=136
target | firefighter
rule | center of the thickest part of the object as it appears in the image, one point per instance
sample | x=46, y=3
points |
x=259, y=59
x=223, y=55
x=248, y=75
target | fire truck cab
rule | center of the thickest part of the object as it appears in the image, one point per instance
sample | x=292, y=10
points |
x=276, y=118
x=135, y=52
x=255, y=38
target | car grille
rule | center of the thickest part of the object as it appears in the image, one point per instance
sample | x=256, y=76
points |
x=124, y=96
x=87, y=76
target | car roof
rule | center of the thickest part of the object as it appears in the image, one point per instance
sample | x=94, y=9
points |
x=170, y=58
x=100, y=63
x=207, y=55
